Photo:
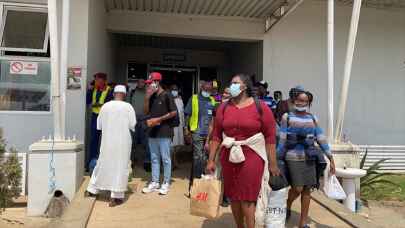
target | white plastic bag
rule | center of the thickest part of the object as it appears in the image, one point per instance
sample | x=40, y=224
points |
x=333, y=189
x=277, y=209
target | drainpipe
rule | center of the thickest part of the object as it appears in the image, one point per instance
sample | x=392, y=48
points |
x=55, y=80
x=64, y=62
x=331, y=67
x=348, y=68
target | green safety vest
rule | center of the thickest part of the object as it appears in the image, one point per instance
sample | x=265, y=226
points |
x=96, y=106
x=194, y=112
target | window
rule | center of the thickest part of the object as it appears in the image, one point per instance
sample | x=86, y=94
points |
x=25, y=85
x=25, y=72
x=24, y=29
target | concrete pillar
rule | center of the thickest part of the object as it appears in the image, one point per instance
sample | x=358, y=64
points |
x=68, y=165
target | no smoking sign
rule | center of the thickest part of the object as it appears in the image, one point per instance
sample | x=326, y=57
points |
x=22, y=67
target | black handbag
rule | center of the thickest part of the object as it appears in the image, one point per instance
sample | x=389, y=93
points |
x=278, y=182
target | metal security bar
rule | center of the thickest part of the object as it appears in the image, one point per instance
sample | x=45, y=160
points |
x=395, y=154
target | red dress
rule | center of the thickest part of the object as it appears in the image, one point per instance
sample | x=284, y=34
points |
x=242, y=181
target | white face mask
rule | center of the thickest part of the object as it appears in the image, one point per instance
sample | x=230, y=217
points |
x=154, y=86
x=205, y=94
x=235, y=90
x=301, y=109
x=175, y=93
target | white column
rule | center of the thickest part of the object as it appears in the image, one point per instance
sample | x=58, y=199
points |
x=331, y=67
x=55, y=79
x=64, y=62
x=348, y=67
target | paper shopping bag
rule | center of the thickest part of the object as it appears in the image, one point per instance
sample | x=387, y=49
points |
x=205, y=197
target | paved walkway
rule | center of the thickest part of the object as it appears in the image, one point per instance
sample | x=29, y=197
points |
x=152, y=210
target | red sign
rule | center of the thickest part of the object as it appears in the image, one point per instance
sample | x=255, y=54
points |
x=22, y=67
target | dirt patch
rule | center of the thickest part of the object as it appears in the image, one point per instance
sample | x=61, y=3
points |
x=385, y=213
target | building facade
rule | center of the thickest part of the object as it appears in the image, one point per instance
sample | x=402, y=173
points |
x=195, y=39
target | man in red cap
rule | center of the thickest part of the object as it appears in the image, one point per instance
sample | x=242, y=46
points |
x=98, y=94
x=161, y=108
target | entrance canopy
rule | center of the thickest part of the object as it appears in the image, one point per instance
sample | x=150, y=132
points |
x=257, y=9
x=240, y=20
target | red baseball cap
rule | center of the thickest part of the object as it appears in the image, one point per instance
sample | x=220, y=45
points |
x=154, y=76
x=100, y=75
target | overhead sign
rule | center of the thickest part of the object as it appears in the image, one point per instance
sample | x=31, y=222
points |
x=22, y=67
x=174, y=57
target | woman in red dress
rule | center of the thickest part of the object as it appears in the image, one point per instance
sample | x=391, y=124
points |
x=240, y=119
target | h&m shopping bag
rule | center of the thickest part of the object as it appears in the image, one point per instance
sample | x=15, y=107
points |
x=277, y=209
x=205, y=197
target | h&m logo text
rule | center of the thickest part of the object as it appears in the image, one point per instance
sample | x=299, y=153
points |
x=201, y=196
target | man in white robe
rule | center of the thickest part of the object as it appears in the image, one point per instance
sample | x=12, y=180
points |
x=116, y=120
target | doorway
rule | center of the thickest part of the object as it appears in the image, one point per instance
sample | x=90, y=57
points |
x=186, y=79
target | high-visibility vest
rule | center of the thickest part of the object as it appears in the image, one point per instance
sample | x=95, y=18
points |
x=194, y=112
x=96, y=106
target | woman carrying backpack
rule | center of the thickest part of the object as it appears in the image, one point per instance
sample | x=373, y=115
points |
x=245, y=127
x=299, y=132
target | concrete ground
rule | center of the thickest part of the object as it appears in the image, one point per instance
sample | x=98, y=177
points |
x=152, y=210
x=16, y=218
x=387, y=214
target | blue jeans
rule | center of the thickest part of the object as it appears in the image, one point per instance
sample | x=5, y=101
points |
x=140, y=137
x=95, y=136
x=160, y=150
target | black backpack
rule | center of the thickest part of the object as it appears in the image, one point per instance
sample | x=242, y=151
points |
x=175, y=121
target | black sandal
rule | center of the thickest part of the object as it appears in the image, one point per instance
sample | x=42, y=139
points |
x=89, y=194
x=115, y=202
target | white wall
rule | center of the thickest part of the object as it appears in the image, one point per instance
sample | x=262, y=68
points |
x=295, y=53
x=205, y=27
x=77, y=57
x=100, y=43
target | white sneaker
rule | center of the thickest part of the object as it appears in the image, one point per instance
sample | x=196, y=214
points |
x=152, y=187
x=164, y=189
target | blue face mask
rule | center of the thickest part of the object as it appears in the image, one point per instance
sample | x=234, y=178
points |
x=175, y=93
x=205, y=94
x=235, y=90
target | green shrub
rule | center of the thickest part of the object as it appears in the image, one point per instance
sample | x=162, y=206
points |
x=10, y=175
x=374, y=181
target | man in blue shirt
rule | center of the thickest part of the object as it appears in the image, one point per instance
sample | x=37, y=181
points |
x=199, y=112
x=262, y=94
x=98, y=93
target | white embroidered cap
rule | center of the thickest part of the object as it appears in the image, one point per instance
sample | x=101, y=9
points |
x=120, y=89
